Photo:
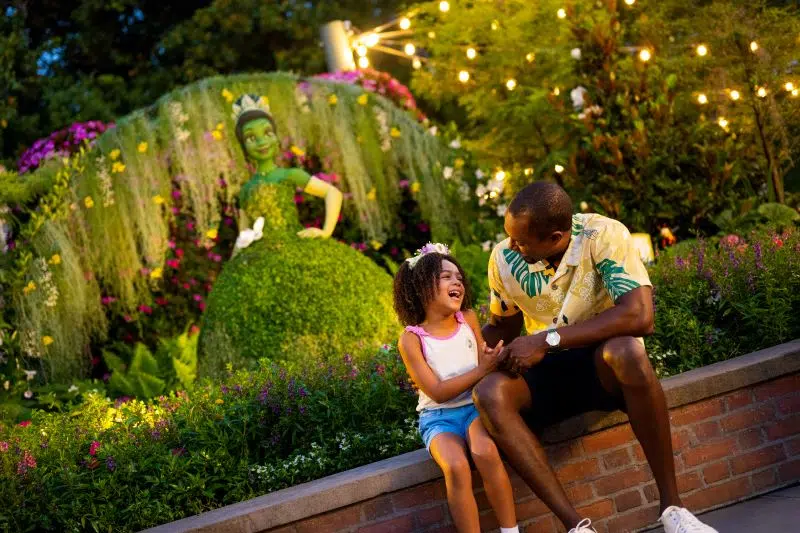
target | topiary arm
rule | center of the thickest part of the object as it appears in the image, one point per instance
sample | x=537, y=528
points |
x=333, y=206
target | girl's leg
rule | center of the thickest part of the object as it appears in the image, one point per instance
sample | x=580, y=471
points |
x=450, y=453
x=495, y=478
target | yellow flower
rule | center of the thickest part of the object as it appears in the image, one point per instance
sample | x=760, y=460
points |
x=298, y=151
x=212, y=233
x=371, y=195
x=4, y=123
x=332, y=99
x=158, y=199
x=156, y=273
x=142, y=147
x=227, y=95
x=264, y=100
x=363, y=99
x=114, y=154
x=47, y=340
x=219, y=401
x=88, y=202
x=220, y=126
x=118, y=167
x=30, y=287
x=415, y=187
x=459, y=163
x=376, y=245
x=395, y=133
x=55, y=260
x=217, y=135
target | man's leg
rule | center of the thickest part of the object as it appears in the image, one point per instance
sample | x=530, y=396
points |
x=500, y=398
x=623, y=368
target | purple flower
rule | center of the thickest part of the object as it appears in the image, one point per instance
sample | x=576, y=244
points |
x=757, y=252
x=110, y=464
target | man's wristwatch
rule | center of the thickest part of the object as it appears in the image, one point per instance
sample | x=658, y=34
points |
x=553, y=339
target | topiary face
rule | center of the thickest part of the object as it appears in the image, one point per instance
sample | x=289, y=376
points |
x=260, y=140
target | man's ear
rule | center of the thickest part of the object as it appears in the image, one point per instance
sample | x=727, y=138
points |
x=556, y=237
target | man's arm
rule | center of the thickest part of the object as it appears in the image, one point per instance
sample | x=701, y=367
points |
x=505, y=328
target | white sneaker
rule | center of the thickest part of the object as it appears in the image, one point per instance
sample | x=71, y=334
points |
x=584, y=526
x=680, y=520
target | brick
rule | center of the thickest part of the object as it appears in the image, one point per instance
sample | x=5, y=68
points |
x=565, y=452
x=777, y=388
x=765, y=479
x=489, y=521
x=747, y=418
x=610, y=438
x=419, y=495
x=582, y=470
x=688, y=481
x=737, y=400
x=681, y=439
x=333, y=521
x=377, y=508
x=482, y=500
x=789, y=405
x=633, y=520
x=628, y=500
x=617, y=459
x=707, y=430
x=543, y=525
x=621, y=480
x=285, y=529
x=580, y=493
x=597, y=510
x=531, y=509
x=784, y=428
x=728, y=491
x=716, y=472
x=792, y=447
x=430, y=516
x=706, y=453
x=650, y=492
x=638, y=453
x=521, y=489
x=789, y=471
x=401, y=524
x=697, y=412
x=749, y=439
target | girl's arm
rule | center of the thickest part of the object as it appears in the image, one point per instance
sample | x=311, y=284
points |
x=423, y=376
x=333, y=206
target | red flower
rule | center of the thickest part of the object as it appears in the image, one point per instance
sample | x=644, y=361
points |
x=93, y=447
x=24, y=423
x=162, y=301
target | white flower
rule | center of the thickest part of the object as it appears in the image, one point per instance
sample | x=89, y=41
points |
x=575, y=53
x=479, y=174
x=577, y=95
x=463, y=191
x=248, y=236
x=486, y=245
x=6, y=384
x=72, y=388
x=447, y=173
x=28, y=394
x=480, y=191
x=183, y=135
x=501, y=210
x=456, y=144
x=584, y=206
x=29, y=374
x=434, y=130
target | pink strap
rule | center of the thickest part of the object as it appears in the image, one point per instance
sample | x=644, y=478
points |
x=418, y=330
x=460, y=317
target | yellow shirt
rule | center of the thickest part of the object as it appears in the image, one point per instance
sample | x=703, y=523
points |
x=600, y=265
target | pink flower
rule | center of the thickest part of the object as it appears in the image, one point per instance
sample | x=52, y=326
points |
x=176, y=194
x=198, y=298
x=128, y=318
x=217, y=258
x=146, y=309
x=202, y=306
x=179, y=252
x=298, y=198
x=174, y=263
x=28, y=462
x=93, y=448
x=162, y=301
x=175, y=210
x=3, y=446
x=171, y=244
x=731, y=240
x=190, y=225
x=403, y=184
x=777, y=241
x=106, y=300
x=24, y=423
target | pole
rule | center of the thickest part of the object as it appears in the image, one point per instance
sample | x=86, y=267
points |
x=338, y=53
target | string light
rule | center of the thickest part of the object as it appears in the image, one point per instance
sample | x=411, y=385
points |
x=559, y=169
x=562, y=14
x=444, y=6
x=723, y=122
x=556, y=91
x=530, y=57
x=702, y=98
x=361, y=50
x=410, y=49
x=511, y=84
x=789, y=86
x=645, y=55
x=500, y=175
x=471, y=53
x=371, y=39
x=495, y=25
x=405, y=23
x=431, y=35
x=630, y=2
x=762, y=92
x=702, y=50
x=528, y=171
x=753, y=46
x=795, y=92
x=417, y=64
x=734, y=95
x=463, y=76
x=363, y=62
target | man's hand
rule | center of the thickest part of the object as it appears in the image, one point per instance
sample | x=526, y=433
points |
x=524, y=352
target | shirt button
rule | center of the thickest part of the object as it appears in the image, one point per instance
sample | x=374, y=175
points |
x=555, y=320
x=555, y=287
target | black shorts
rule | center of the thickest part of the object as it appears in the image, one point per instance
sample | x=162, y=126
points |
x=565, y=384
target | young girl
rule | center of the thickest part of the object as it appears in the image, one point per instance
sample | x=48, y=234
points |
x=443, y=350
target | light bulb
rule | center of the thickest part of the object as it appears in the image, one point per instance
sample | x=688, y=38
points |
x=361, y=50
x=702, y=98
x=500, y=175
x=463, y=76
x=530, y=57
x=495, y=25
x=528, y=171
x=735, y=95
x=789, y=86
x=630, y=2
x=417, y=64
x=410, y=49
x=405, y=23
x=471, y=53
x=559, y=169
x=562, y=14
x=363, y=62
x=762, y=92
x=795, y=92
x=511, y=84
x=371, y=39
x=702, y=50
x=444, y=6
x=645, y=55
x=556, y=91
x=753, y=46
x=723, y=123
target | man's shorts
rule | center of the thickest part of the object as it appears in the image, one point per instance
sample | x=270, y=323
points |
x=446, y=420
x=565, y=384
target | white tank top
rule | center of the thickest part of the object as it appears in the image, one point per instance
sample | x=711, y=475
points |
x=448, y=357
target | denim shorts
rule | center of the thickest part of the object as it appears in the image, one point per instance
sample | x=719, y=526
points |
x=446, y=420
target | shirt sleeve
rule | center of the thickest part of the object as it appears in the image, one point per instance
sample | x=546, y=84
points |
x=500, y=303
x=618, y=261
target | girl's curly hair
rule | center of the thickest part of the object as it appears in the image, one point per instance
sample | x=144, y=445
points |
x=415, y=288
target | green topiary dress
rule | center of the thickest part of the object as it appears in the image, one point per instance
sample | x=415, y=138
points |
x=287, y=298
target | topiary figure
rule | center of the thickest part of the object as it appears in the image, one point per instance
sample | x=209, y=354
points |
x=288, y=293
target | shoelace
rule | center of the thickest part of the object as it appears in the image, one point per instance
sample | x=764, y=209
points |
x=583, y=525
x=686, y=521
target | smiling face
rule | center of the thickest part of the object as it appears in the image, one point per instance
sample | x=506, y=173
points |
x=527, y=243
x=450, y=290
x=259, y=140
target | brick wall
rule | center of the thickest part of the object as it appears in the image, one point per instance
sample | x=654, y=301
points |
x=727, y=448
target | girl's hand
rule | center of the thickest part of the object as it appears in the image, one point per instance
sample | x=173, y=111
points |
x=490, y=357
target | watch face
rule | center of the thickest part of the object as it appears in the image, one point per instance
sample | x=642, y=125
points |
x=553, y=338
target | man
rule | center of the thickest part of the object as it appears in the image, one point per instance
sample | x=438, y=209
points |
x=584, y=296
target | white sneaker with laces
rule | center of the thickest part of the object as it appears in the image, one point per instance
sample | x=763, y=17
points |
x=584, y=526
x=680, y=520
